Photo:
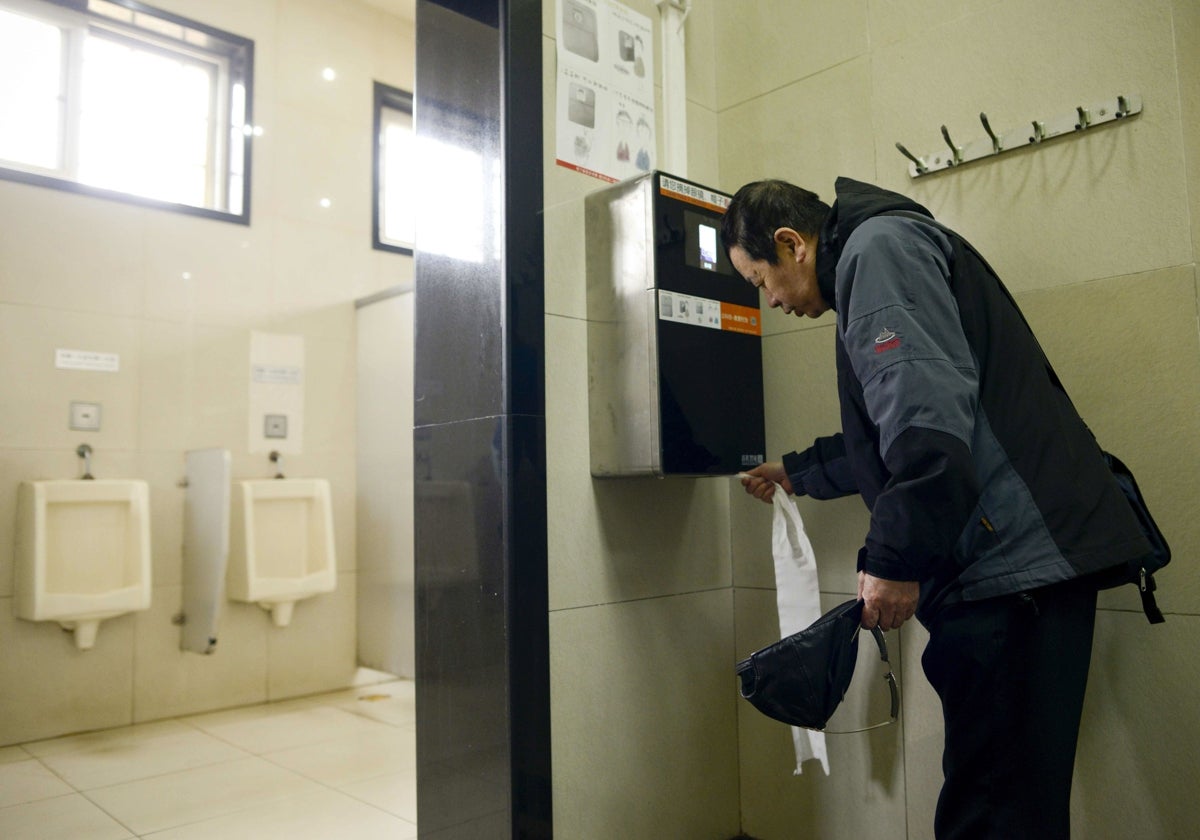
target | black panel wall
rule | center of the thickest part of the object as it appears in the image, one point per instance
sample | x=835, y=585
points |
x=483, y=706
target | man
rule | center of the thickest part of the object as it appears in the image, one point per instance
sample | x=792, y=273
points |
x=992, y=512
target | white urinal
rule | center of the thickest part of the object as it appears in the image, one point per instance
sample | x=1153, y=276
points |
x=82, y=552
x=281, y=544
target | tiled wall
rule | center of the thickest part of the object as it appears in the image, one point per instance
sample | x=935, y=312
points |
x=1097, y=236
x=641, y=611
x=81, y=273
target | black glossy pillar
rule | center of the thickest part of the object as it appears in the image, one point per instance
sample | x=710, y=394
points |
x=483, y=705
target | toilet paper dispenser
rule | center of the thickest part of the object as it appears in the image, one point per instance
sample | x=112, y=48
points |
x=675, y=384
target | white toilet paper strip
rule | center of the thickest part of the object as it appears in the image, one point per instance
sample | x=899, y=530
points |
x=798, y=596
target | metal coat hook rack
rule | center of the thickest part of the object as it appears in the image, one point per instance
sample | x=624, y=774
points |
x=1082, y=119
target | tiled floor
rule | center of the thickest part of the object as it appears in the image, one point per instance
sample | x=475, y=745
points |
x=330, y=766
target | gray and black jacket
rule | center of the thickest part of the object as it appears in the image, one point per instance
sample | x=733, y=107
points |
x=981, y=478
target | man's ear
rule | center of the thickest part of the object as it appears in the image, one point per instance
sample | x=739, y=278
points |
x=793, y=241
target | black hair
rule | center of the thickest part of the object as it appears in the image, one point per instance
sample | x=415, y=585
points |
x=760, y=208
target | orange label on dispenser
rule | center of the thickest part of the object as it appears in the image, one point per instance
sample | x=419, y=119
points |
x=743, y=319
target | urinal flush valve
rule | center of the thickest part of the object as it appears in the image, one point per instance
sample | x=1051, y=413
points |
x=277, y=460
x=84, y=451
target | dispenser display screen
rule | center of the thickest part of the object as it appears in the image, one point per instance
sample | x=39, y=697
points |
x=703, y=244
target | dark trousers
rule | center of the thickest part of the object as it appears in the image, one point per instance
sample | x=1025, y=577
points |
x=1011, y=674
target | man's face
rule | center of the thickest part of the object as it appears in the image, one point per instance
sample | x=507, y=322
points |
x=790, y=284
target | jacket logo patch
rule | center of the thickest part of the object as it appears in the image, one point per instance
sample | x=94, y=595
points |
x=886, y=340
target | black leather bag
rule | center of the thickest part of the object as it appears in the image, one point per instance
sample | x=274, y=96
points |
x=801, y=679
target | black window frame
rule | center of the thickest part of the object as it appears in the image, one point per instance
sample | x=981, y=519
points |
x=237, y=50
x=385, y=96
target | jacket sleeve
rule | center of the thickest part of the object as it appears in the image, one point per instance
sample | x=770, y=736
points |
x=906, y=346
x=821, y=471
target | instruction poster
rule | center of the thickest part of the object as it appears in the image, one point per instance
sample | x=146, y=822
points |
x=605, y=95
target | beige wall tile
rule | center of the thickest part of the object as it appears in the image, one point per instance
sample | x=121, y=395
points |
x=703, y=157
x=566, y=269
x=168, y=681
x=36, y=404
x=700, y=29
x=193, y=390
x=164, y=473
x=1106, y=203
x=52, y=688
x=924, y=732
x=388, y=271
x=1128, y=352
x=768, y=45
x=313, y=35
x=316, y=651
x=807, y=132
x=643, y=719
x=70, y=251
x=395, y=58
x=620, y=538
x=898, y=20
x=750, y=524
x=329, y=394
x=203, y=272
x=335, y=156
x=1136, y=770
x=1186, y=17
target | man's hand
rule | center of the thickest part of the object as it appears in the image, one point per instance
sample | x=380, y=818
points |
x=760, y=482
x=887, y=603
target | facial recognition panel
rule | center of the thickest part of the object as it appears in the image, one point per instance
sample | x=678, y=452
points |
x=674, y=335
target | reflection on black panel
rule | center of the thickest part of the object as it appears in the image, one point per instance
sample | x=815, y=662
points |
x=710, y=387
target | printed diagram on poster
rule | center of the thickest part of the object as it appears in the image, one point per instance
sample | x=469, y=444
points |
x=605, y=94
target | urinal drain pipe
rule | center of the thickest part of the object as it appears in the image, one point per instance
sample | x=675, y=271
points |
x=84, y=451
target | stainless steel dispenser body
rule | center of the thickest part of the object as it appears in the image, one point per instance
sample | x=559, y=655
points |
x=674, y=336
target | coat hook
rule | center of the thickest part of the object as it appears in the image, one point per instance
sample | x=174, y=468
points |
x=920, y=164
x=1085, y=118
x=955, y=149
x=996, y=145
x=1122, y=107
x=1039, y=132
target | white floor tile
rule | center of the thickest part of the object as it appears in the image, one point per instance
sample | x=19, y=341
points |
x=63, y=818
x=342, y=764
x=9, y=755
x=103, y=738
x=29, y=781
x=241, y=714
x=393, y=703
x=395, y=793
x=130, y=753
x=342, y=761
x=306, y=725
x=202, y=793
x=320, y=816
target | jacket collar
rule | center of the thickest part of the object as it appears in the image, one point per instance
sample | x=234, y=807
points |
x=855, y=203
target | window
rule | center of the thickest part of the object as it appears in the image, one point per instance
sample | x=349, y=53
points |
x=116, y=99
x=394, y=214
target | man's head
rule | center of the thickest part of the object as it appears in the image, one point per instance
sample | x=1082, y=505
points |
x=770, y=231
